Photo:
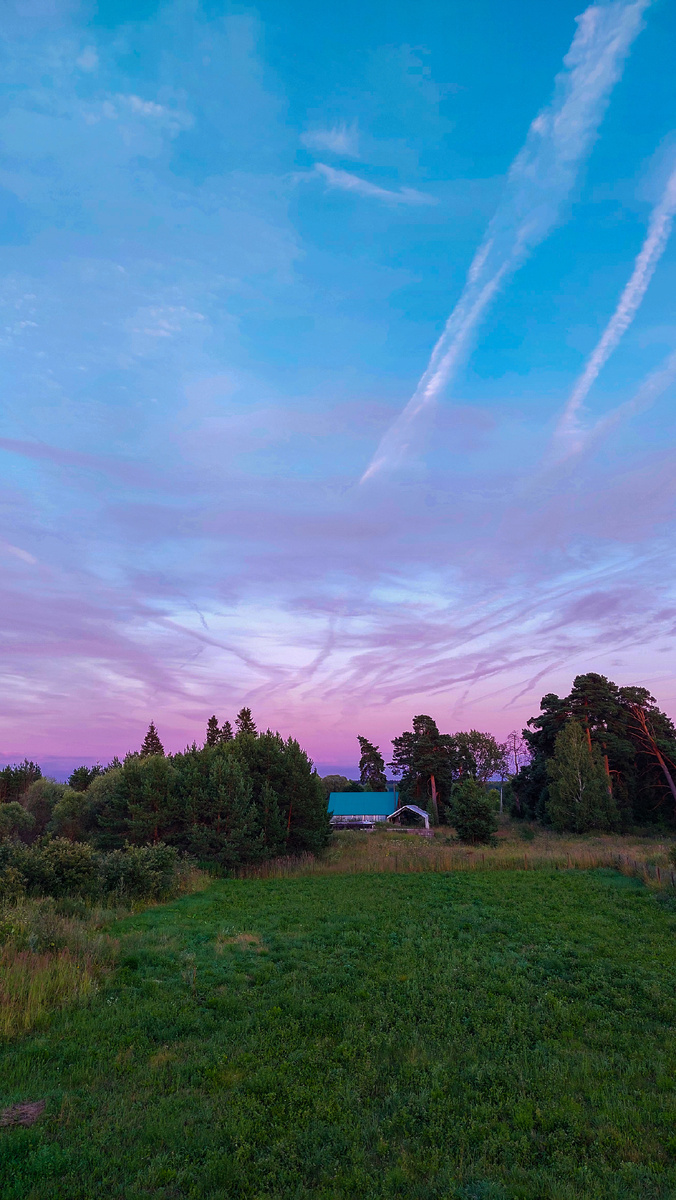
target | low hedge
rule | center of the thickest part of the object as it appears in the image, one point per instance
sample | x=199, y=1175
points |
x=58, y=867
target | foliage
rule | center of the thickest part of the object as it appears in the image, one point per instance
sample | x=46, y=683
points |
x=371, y=766
x=579, y=795
x=81, y=777
x=58, y=867
x=425, y=760
x=15, y=820
x=16, y=780
x=428, y=1037
x=253, y=797
x=607, y=714
x=481, y=755
x=151, y=743
x=245, y=722
x=213, y=732
x=40, y=801
x=226, y=734
x=473, y=814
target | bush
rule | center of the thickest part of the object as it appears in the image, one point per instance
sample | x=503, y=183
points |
x=59, y=868
x=141, y=872
x=12, y=885
x=14, y=820
x=472, y=813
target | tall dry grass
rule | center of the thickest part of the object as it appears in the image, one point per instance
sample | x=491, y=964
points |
x=517, y=847
x=55, y=952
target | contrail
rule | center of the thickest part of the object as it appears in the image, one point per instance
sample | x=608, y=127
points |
x=539, y=181
x=568, y=430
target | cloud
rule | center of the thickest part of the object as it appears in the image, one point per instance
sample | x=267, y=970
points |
x=88, y=60
x=339, y=140
x=17, y=552
x=569, y=436
x=539, y=182
x=346, y=182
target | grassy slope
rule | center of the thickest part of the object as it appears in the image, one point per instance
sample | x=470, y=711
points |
x=489, y=1034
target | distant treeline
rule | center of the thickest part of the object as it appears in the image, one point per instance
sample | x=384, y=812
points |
x=241, y=797
x=603, y=757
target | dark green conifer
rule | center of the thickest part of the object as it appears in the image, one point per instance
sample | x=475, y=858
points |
x=226, y=734
x=151, y=742
x=371, y=766
x=245, y=722
x=213, y=732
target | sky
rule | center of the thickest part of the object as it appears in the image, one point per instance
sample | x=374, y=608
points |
x=338, y=354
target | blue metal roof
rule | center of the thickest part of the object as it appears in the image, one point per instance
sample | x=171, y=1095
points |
x=362, y=804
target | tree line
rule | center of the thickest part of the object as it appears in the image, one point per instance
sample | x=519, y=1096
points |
x=241, y=797
x=603, y=757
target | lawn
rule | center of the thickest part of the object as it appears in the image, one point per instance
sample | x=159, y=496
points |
x=476, y=1034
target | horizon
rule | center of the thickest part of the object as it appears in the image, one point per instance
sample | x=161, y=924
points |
x=340, y=356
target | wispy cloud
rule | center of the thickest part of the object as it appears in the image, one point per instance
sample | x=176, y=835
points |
x=342, y=140
x=569, y=436
x=540, y=181
x=346, y=182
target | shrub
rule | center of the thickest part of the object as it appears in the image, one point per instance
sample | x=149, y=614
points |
x=473, y=814
x=14, y=820
x=58, y=867
x=140, y=872
x=12, y=885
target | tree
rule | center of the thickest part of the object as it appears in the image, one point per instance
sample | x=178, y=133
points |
x=473, y=814
x=226, y=734
x=579, y=798
x=81, y=777
x=516, y=752
x=213, y=732
x=487, y=756
x=425, y=759
x=371, y=766
x=245, y=722
x=151, y=742
x=16, y=780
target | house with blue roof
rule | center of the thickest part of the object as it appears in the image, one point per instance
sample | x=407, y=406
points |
x=360, y=809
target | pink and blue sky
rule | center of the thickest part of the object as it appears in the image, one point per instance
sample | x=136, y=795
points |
x=339, y=365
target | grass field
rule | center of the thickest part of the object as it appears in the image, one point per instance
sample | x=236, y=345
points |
x=479, y=1034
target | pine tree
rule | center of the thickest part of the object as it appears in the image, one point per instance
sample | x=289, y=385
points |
x=371, y=766
x=226, y=734
x=245, y=722
x=213, y=732
x=151, y=742
x=580, y=798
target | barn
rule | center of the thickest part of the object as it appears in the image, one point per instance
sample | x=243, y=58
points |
x=360, y=810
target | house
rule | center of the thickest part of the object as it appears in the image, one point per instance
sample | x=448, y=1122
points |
x=360, y=810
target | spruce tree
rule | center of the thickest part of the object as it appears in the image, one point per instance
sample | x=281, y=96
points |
x=226, y=734
x=245, y=722
x=579, y=794
x=213, y=732
x=151, y=742
x=371, y=766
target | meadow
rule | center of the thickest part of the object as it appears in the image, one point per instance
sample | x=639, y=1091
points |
x=429, y=1034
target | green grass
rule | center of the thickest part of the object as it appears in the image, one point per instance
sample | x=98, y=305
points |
x=473, y=1035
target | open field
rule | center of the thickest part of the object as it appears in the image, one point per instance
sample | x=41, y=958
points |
x=478, y=1034
x=517, y=846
